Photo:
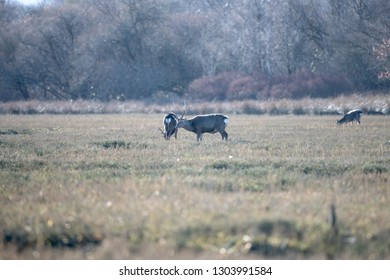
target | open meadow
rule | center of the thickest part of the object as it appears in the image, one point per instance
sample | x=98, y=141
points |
x=110, y=187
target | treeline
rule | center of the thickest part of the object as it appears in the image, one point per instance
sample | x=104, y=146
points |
x=207, y=49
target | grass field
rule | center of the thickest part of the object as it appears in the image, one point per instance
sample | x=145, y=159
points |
x=110, y=187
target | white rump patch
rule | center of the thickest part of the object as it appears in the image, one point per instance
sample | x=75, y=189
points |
x=226, y=121
x=168, y=120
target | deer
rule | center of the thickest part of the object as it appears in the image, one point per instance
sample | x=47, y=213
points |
x=211, y=123
x=351, y=116
x=170, y=122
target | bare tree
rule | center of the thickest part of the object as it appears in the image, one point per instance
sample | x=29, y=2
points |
x=128, y=49
x=12, y=81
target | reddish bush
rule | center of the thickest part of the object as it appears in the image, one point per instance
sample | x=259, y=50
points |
x=209, y=88
x=234, y=86
x=305, y=84
x=247, y=87
x=241, y=88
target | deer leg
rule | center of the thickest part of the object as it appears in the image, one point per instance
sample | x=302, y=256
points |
x=226, y=135
x=223, y=133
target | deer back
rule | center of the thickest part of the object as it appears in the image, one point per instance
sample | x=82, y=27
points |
x=209, y=123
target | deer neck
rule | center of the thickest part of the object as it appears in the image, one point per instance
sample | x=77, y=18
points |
x=186, y=124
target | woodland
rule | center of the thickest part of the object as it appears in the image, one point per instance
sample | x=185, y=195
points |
x=204, y=50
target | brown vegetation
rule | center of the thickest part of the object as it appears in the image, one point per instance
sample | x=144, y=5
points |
x=110, y=187
x=369, y=103
x=233, y=86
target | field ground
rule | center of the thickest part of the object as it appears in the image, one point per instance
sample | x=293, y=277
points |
x=110, y=187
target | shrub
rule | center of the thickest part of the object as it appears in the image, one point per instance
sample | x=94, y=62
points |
x=305, y=84
x=209, y=88
x=247, y=87
x=236, y=86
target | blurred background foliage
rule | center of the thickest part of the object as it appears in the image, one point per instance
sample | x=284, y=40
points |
x=203, y=50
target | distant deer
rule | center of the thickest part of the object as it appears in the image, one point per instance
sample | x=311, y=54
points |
x=211, y=123
x=170, y=125
x=351, y=116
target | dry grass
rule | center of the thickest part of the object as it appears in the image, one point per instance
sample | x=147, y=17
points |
x=110, y=187
x=369, y=103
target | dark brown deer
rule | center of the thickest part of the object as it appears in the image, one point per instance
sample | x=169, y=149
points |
x=351, y=116
x=170, y=125
x=211, y=123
